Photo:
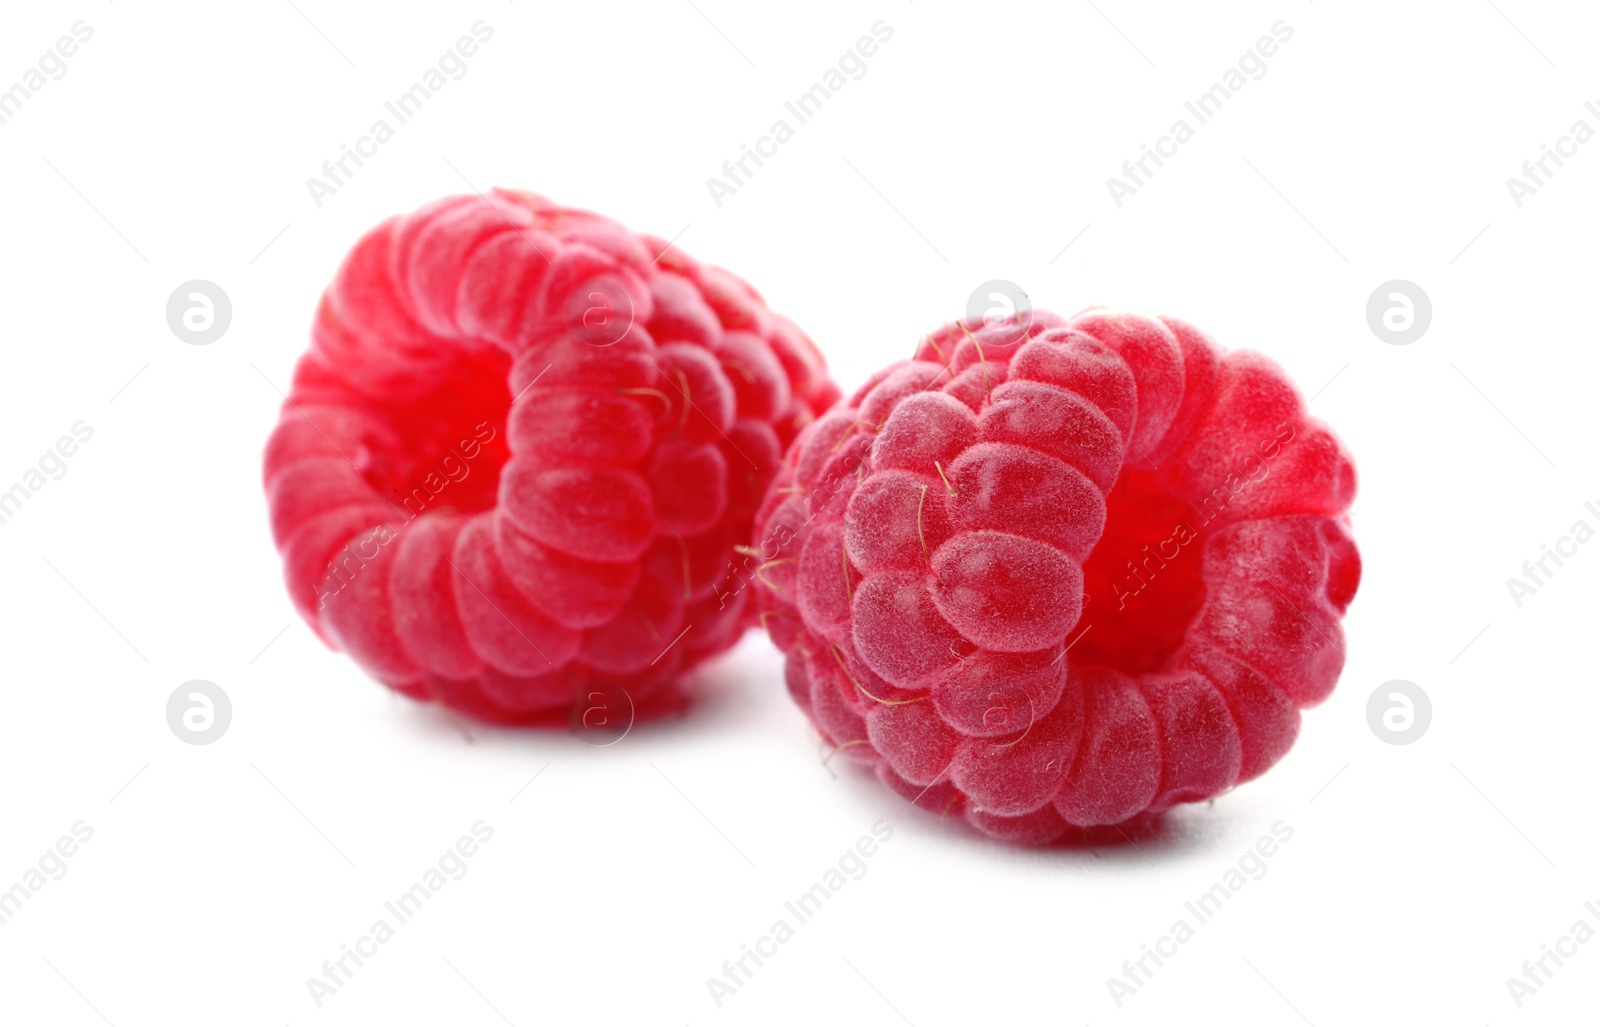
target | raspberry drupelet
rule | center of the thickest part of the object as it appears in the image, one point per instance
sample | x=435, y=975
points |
x=1063, y=575
x=518, y=456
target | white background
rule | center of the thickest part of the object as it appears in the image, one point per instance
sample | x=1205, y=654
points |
x=977, y=146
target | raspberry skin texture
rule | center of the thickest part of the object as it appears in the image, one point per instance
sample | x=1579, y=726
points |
x=1061, y=578
x=512, y=468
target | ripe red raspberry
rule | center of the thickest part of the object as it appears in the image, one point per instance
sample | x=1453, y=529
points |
x=1071, y=575
x=523, y=445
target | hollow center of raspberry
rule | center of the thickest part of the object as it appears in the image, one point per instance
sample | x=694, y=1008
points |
x=452, y=441
x=1142, y=580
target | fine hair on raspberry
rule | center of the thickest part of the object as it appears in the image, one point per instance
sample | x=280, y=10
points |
x=515, y=463
x=1063, y=574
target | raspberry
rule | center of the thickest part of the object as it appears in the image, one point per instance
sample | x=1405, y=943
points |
x=516, y=460
x=1066, y=577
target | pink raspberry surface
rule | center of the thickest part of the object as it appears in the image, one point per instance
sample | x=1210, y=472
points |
x=516, y=460
x=1063, y=576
